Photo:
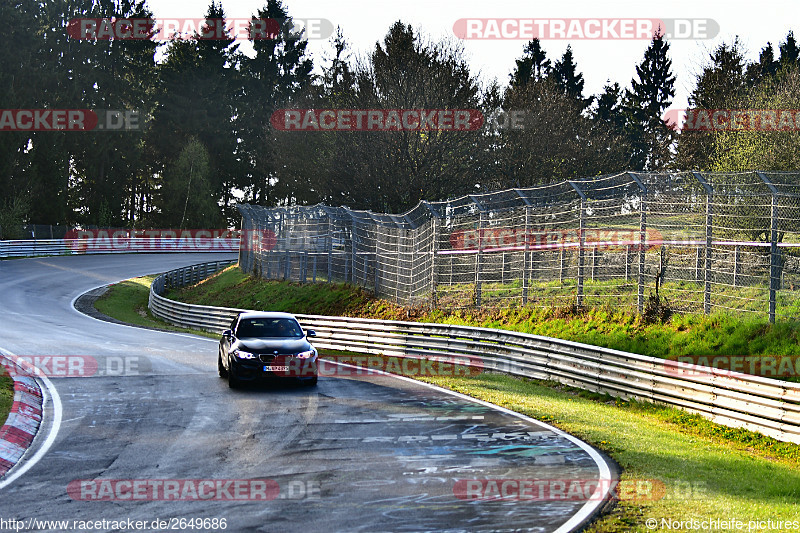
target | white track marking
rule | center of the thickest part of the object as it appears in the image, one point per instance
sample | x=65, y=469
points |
x=27, y=464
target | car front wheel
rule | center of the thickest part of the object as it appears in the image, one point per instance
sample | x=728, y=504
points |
x=220, y=367
x=233, y=382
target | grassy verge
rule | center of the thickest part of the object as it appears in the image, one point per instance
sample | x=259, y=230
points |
x=127, y=301
x=605, y=325
x=6, y=395
x=709, y=472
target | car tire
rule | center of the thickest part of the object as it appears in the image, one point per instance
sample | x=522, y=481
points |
x=220, y=368
x=233, y=382
x=312, y=382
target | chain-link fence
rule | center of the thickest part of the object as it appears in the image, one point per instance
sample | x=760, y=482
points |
x=704, y=241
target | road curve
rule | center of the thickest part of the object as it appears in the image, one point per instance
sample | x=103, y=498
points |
x=358, y=453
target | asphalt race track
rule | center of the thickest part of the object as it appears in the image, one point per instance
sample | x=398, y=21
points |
x=355, y=453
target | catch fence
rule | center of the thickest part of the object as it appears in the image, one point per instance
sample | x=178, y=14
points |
x=703, y=241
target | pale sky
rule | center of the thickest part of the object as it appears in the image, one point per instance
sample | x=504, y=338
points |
x=363, y=23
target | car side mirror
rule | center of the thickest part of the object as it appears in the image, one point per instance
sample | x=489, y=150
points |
x=227, y=333
x=311, y=333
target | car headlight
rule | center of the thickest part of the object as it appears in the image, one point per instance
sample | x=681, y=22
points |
x=244, y=355
x=306, y=355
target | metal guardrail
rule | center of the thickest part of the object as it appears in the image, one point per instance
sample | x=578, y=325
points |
x=39, y=247
x=768, y=406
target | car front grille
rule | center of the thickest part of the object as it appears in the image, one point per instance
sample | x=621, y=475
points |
x=267, y=357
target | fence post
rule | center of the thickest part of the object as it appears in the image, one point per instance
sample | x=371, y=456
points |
x=478, y=261
x=774, y=259
x=697, y=262
x=627, y=262
x=525, y=252
x=353, y=248
x=397, y=270
x=709, y=234
x=377, y=261
x=581, y=251
x=642, y=250
x=330, y=249
x=434, y=253
x=736, y=266
x=707, y=266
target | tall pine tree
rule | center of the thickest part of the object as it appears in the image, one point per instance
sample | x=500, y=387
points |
x=650, y=94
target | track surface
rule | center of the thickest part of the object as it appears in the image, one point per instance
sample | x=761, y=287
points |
x=370, y=453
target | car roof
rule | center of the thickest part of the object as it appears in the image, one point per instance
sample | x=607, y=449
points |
x=266, y=314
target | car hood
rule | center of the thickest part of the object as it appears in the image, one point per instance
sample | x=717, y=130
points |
x=282, y=346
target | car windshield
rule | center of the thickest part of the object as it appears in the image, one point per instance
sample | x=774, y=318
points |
x=269, y=327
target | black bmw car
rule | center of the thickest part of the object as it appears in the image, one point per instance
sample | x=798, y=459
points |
x=261, y=346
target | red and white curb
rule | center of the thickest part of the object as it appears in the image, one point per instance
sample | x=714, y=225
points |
x=23, y=421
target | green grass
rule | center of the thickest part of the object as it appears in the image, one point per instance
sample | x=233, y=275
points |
x=708, y=471
x=685, y=296
x=127, y=301
x=6, y=395
x=231, y=288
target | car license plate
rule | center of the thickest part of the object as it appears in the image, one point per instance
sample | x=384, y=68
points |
x=276, y=368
